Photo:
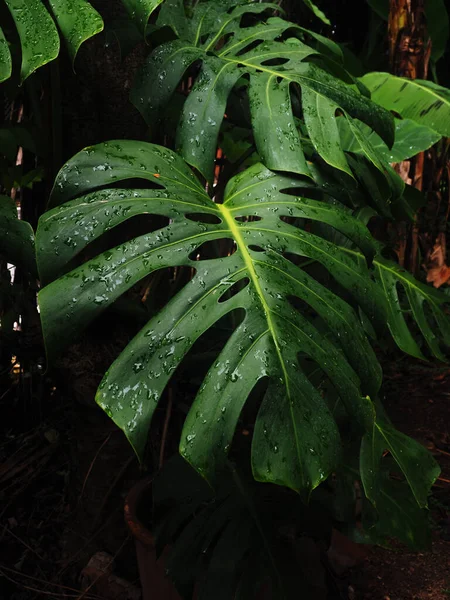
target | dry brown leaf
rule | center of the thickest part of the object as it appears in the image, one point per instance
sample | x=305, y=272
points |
x=438, y=272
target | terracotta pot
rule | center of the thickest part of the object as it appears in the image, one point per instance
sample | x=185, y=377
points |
x=154, y=582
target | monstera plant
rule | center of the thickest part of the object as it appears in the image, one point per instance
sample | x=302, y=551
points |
x=278, y=238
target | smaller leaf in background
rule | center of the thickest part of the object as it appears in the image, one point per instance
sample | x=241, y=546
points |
x=406, y=207
x=30, y=177
x=422, y=101
x=410, y=139
x=20, y=134
x=140, y=11
x=395, y=184
x=414, y=461
x=16, y=237
x=77, y=20
x=437, y=26
x=125, y=33
x=226, y=542
x=38, y=34
x=397, y=515
x=316, y=10
x=235, y=141
x=5, y=58
x=418, y=298
x=173, y=15
x=8, y=145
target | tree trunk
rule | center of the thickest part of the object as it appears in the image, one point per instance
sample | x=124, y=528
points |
x=409, y=53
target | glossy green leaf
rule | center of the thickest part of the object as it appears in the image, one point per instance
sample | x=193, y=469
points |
x=5, y=58
x=422, y=101
x=140, y=11
x=16, y=237
x=38, y=34
x=228, y=52
x=410, y=139
x=295, y=441
x=77, y=20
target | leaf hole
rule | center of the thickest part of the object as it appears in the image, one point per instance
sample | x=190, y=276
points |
x=125, y=231
x=234, y=289
x=308, y=191
x=250, y=412
x=247, y=218
x=275, y=62
x=220, y=248
x=291, y=220
x=205, y=351
x=207, y=218
x=302, y=307
x=134, y=183
x=251, y=46
x=295, y=259
x=255, y=248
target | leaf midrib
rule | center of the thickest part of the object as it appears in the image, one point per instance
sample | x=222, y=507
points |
x=248, y=261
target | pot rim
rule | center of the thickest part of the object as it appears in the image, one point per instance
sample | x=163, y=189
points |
x=138, y=530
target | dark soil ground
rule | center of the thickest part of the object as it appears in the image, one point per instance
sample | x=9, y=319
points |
x=418, y=401
x=65, y=471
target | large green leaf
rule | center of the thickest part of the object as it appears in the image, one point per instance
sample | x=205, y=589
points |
x=16, y=237
x=295, y=440
x=275, y=58
x=38, y=34
x=422, y=101
x=77, y=20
